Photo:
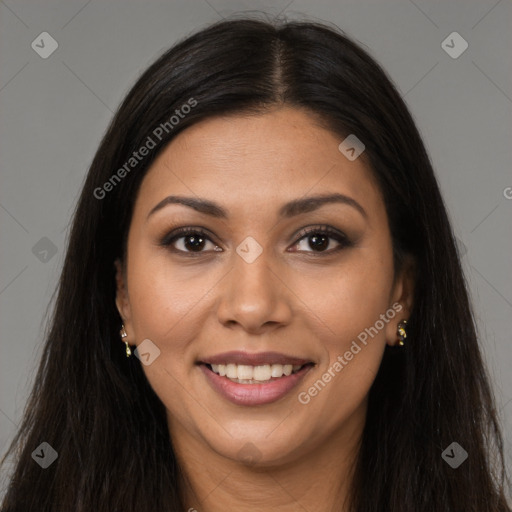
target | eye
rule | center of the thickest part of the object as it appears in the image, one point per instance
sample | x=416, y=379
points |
x=192, y=241
x=320, y=238
x=189, y=240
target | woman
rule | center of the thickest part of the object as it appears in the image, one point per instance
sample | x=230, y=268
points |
x=262, y=306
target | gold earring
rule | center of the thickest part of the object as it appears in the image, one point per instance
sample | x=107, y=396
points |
x=124, y=335
x=401, y=332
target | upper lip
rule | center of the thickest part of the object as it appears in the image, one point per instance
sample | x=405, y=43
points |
x=257, y=359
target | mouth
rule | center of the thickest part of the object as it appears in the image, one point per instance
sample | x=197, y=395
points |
x=269, y=378
x=261, y=374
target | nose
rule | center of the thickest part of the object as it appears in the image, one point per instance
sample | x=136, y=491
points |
x=254, y=297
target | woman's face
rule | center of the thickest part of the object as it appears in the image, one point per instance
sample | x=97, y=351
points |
x=261, y=287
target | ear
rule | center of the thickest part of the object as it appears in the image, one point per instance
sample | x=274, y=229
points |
x=122, y=300
x=402, y=298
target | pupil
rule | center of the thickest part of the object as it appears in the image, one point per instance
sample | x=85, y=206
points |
x=197, y=242
x=320, y=242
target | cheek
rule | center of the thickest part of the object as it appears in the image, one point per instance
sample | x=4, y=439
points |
x=353, y=353
x=167, y=302
x=165, y=296
x=347, y=311
x=350, y=296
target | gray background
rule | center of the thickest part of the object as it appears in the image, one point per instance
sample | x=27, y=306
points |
x=55, y=110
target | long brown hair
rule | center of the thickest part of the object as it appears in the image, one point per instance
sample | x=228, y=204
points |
x=96, y=408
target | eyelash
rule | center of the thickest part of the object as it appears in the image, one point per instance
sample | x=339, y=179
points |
x=341, y=238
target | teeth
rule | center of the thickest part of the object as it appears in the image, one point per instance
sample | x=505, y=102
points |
x=231, y=371
x=262, y=372
x=246, y=373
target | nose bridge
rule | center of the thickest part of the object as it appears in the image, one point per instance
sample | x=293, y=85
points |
x=253, y=295
x=253, y=279
x=253, y=275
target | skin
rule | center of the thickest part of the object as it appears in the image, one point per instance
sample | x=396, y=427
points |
x=294, y=299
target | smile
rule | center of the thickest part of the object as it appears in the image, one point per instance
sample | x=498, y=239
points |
x=249, y=385
x=246, y=374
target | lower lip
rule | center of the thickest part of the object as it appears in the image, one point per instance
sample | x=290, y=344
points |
x=254, y=394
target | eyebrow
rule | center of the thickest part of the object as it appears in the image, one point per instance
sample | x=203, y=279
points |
x=290, y=209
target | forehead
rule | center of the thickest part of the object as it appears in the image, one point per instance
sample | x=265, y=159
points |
x=253, y=159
